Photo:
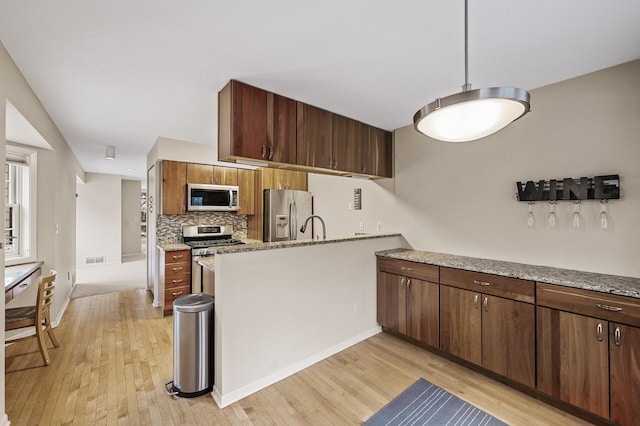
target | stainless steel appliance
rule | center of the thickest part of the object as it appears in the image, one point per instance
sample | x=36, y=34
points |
x=285, y=210
x=205, y=197
x=203, y=239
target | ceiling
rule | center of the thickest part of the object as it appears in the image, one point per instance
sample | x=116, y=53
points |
x=124, y=72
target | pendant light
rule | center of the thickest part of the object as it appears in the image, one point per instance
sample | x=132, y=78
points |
x=471, y=114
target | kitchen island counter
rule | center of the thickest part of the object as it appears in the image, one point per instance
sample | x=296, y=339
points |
x=603, y=283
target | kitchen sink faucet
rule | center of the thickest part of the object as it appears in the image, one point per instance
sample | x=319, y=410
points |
x=324, y=229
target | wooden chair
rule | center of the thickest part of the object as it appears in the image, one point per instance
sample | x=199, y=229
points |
x=38, y=316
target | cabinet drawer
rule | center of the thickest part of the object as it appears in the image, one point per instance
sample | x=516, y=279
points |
x=179, y=280
x=172, y=294
x=420, y=271
x=495, y=285
x=173, y=269
x=625, y=310
x=177, y=256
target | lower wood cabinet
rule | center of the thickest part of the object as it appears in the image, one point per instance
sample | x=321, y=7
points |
x=489, y=320
x=588, y=351
x=408, y=304
x=175, y=276
x=494, y=332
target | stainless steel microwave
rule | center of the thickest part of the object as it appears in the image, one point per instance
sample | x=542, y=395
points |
x=212, y=198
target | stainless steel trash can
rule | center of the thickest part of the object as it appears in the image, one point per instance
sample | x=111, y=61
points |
x=192, y=346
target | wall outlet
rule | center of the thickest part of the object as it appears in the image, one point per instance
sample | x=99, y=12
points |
x=361, y=227
x=356, y=308
x=379, y=226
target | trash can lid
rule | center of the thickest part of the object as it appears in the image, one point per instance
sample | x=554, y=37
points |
x=197, y=302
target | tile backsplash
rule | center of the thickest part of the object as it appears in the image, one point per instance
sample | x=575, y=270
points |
x=169, y=231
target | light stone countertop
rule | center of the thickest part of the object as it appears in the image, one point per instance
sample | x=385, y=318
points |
x=253, y=245
x=208, y=262
x=612, y=284
x=173, y=247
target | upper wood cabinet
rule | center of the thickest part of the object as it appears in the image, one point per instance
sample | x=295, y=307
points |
x=377, y=152
x=257, y=125
x=347, y=142
x=176, y=175
x=174, y=187
x=247, y=188
x=242, y=121
x=314, y=137
x=281, y=129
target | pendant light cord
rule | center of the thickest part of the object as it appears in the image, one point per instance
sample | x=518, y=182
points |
x=466, y=86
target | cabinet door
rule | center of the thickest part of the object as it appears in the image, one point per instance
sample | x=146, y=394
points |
x=199, y=173
x=313, y=137
x=378, y=153
x=247, y=187
x=174, y=187
x=573, y=359
x=423, y=320
x=225, y=175
x=281, y=129
x=346, y=143
x=461, y=323
x=624, y=360
x=391, y=302
x=508, y=338
x=248, y=120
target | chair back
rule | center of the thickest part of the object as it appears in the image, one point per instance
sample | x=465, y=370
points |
x=46, y=290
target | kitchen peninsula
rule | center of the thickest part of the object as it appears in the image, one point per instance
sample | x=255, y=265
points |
x=281, y=307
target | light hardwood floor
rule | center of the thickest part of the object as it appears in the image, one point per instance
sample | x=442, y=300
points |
x=115, y=356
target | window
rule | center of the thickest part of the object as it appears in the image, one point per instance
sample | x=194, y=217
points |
x=19, y=222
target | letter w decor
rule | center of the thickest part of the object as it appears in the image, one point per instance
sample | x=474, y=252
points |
x=568, y=189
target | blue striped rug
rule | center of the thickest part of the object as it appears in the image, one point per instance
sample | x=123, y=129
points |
x=424, y=403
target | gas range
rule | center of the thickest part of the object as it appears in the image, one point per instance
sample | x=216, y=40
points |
x=204, y=239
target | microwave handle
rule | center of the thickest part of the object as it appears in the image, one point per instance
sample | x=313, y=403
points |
x=230, y=199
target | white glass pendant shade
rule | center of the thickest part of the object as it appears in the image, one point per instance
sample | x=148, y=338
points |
x=472, y=114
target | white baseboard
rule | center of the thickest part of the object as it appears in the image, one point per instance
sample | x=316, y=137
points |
x=4, y=421
x=238, y=394
x=55, y=322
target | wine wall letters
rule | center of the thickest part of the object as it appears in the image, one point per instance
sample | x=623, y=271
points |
x=597, y=188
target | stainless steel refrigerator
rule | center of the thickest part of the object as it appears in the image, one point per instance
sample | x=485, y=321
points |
x=285, y=211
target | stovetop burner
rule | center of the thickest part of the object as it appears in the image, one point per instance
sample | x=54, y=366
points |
x=203, y=238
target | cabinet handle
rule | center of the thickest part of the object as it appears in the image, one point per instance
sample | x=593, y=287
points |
x=608, y=308
x=482, y=283
x=23, y=285
x=270, y=152
x=177, y=293
x=176, y=281
x=176, y=269
x=616, y=334
x=409, y=284
x=364, y=168
x=402, y=280
x=599, y=332
x=264, y=151
x=475, y=301
x=485, y=304
x=175, y=257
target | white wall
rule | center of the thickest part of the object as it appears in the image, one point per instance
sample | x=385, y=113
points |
x=333, y=195
x=460, y=198
x=57, y=171
x=279, y=311
x=99, y=220
x=131, y=218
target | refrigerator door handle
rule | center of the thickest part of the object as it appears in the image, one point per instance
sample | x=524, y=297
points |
x=293, y=221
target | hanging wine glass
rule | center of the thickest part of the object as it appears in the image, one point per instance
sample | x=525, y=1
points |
x=531, y=220
x=552, y=220
x=575, y=217
x=604, y=220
